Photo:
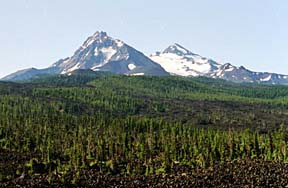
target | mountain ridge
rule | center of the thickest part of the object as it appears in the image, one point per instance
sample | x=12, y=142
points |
x=101, y=52
x=178, y=60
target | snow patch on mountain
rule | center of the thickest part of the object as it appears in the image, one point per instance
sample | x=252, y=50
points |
x=138, y=74
x=131, y=66
x=108, y=53
x=266, y=79
x=119, y=43
x=77, y=66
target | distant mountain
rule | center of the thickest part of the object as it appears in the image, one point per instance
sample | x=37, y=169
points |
x=179, y=61
x=105, y=54
x=30, y=73
x=99, y=53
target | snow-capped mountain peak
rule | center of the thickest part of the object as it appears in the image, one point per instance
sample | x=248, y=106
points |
x=178, y=60
x=101, y=52
x=178, y=49
x=98, y=37
x=98, y=50
x=101, y=37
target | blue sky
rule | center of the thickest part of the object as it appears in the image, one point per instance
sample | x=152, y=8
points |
x=252, y=33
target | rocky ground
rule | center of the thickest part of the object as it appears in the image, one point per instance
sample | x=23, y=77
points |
x=242, y=173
